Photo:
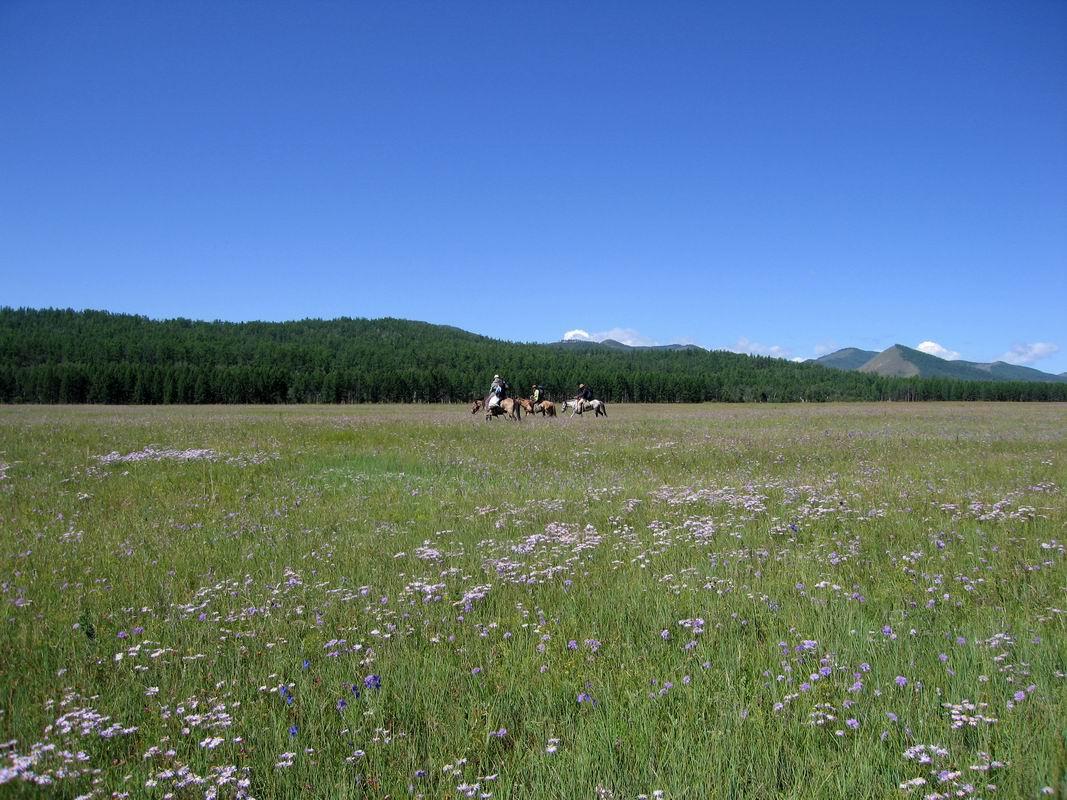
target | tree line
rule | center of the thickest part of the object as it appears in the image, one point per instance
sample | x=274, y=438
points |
x=64, y=356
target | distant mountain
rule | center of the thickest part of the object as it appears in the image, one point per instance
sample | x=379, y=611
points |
x=1013, y=372
x=899, y=361
x=850, y=358
x=615, y=344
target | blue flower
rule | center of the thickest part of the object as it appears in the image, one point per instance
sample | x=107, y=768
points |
x=292, y=730
x=373, y=682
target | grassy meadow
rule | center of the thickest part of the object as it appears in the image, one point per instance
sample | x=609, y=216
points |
x=803, y=601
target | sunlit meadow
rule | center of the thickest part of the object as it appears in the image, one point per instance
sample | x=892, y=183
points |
x=860, y=601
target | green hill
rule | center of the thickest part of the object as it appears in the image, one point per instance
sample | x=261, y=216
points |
x=848, y=358
x=53, y=356
x=905, y=362
x=901, y=361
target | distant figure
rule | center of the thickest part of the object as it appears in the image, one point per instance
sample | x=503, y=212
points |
x=497, y=392
x=538, y=395
x=585, y=395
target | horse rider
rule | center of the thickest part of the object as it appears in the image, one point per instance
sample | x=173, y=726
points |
x=585, y=394
x=538, y=395
x=497, y=392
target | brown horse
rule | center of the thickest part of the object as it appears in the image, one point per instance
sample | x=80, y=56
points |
x=545, y=407
x=508, y=406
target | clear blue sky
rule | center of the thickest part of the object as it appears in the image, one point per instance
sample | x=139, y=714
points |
x=798, y=176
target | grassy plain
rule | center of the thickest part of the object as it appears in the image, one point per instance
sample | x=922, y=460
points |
x=806, y=601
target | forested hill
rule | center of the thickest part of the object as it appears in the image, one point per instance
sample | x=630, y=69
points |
x=62, y=356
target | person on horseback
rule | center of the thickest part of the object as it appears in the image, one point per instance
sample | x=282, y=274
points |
x=497, y=392
x=538, y=395
x=585, y=394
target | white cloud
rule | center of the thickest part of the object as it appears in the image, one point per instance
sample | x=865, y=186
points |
x=823, y=348
x=744, y=345
x=625, y=335
x=1029, y=353
x=934, y=349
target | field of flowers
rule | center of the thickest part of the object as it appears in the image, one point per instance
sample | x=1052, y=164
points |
x=861, y=601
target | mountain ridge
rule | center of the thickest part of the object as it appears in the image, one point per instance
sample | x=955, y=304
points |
x=900, y=361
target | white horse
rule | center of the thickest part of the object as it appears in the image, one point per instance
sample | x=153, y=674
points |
x=598, y=407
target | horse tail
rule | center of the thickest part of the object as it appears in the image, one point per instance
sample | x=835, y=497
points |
x=604, y=407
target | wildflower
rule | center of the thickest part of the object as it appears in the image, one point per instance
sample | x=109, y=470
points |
x=901, y=681
x=585, y=697
x=572, y=645
x=373, y=682
x=342, y=704
x=853, y=723
x=665, y=634
x=293, y=730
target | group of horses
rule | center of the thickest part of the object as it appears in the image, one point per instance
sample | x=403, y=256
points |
x=511, y=408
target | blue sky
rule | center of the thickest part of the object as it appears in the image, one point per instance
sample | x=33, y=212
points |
x=771, y=177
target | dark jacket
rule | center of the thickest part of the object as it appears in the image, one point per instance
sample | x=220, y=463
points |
x=585, y=394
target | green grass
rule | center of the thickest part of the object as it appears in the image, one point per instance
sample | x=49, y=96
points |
x=773, y=524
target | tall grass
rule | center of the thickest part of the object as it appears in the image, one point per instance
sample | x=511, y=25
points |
x=702, y=601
